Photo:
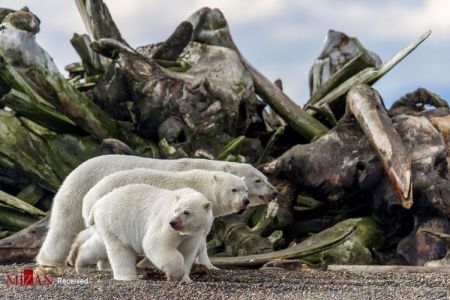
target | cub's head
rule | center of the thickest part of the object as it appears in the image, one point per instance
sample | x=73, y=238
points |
x=260, y=190
x=192, y=214
x=230, y=193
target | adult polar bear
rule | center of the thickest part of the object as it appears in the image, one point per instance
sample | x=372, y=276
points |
x=166, y=226
x=66, y=220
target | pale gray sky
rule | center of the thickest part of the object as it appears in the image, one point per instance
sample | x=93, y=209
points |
x=280, y=37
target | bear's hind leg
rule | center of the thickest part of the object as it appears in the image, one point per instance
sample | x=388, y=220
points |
x=59, y=238
x=81, y=238
x=89, y=253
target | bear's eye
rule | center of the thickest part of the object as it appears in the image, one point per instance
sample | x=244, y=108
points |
x=186, y=213
x=234, y=190
x=258, y=180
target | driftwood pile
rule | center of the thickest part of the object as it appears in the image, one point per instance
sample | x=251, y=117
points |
x=359, y=184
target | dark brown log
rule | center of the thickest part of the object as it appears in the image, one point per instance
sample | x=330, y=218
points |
x=24, y=245
x=28, y=238
x=420, y=247
x=182, y=118
x=328, y=168
x=174, y=45
x=416, y=101
x=17, y=255
x=210, y=27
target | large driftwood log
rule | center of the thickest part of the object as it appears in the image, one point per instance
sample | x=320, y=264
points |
x=199, y=108
x=416, y=102
x=366, y=76
x=353, y=231
x=341, y=57
x=368, y=109
x=44, y=156
x=210, y=27
x=28, y=68
x=40, y=113
x=23, y=245
x=419, y=246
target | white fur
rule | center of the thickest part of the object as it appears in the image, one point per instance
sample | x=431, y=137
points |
x=216, y=186
x=226, y=192
x=66, y=219
x=134, y=219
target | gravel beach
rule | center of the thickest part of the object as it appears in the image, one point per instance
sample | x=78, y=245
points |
x=233, y=284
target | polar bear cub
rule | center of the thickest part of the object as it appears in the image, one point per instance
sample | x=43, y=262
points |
x=166, y=226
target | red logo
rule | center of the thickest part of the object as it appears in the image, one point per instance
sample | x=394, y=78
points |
x=28, y=278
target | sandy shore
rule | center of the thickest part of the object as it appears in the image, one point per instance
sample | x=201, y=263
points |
x=232, y=284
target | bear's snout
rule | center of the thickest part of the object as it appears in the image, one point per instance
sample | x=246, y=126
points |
x=270, y=196
x=275, y=193
x=245, y=202
x=176, y=223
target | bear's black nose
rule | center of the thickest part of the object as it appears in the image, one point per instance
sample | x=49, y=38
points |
x=275, y=193
x=173, y=223
x=246, y=202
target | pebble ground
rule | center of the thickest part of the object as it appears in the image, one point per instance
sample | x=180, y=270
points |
x=236, y=284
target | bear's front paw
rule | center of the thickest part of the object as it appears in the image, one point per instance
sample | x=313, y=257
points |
x=186, y=279
x=203, y=268
x=212, y=267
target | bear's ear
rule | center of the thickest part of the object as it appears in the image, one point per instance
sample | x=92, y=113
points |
x=177, y=197
x=207, y=206
x=227, y=168
x=215, y=179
